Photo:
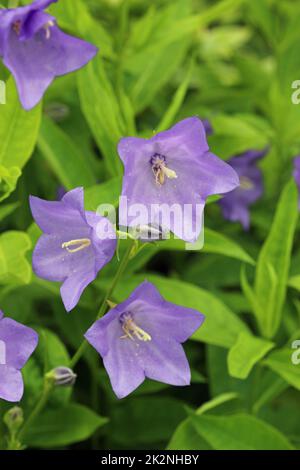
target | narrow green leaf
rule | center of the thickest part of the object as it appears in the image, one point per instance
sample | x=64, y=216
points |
x=215, y=242
x=76, y=18
x=294, y=282
x=216, y=401
x=66, y=161
x=102, y=111
x=177, y=100
x=280, y=361
x=7, y=209
x=274, y=261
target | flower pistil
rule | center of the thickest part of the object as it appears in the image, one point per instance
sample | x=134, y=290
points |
x=160, y=169
x=131, y=329
x=79, y=244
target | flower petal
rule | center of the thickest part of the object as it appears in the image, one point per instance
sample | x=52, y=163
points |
x=118, y=354
x=11, y=384
x=74, y=285
x=188, y=135
x=38, y=60
x=103, y=238
x=59, y=217
x=34, y=22
x=52, y=262
x=20, y=342
x=164, y=361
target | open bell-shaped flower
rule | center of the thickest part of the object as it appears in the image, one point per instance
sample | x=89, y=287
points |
x=75, y=246
x=36, y=51
x=168, y=178
x=142, y=337
x=17, y=343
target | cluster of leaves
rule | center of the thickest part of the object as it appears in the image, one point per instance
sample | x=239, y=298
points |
x=233, y=62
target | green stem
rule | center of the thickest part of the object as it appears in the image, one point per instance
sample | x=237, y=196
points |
x=47, y=389
x=103, y=307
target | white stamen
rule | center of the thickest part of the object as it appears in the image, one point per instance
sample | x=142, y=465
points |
x=47, y=27
x=80, y=244
x=131, y=330
x=171, y=174
x=160, y=169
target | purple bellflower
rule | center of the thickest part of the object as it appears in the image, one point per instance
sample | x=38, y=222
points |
x=142, y=337
x=17, y=343
x=296, y=174
x=75, y=245
x=235, y=205
x=172, y=169
x=35, y=50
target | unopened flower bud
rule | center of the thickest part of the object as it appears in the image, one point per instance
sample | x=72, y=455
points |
x=14, y=419
x=62, y=376
x=148, y=233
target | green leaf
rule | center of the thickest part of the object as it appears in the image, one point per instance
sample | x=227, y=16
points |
x=66, y=161
x=294, y=282
x=215, y=242
x=152, y=420
x=76, y=18
x=273, y=263
x=280, y=361
x=221, y=326
x=14, y=268
x=186, y=438
x=245, y=353
x=18, y=129
x=8, y=180
x=239, y=432
x=63, y=426
x=215, y=402
x=156, y=54
x=236, y=134
x=18, y=134
x=104, y=193
x=102, y=112
x=7, y=209
x=176, y=103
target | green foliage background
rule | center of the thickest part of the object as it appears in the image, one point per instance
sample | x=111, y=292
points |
x=233, y=62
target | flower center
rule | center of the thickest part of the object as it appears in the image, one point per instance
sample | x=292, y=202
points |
x=131, y=329
x=17, y=25
x=160, y=169
x=78, y=245
x=246, y=183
